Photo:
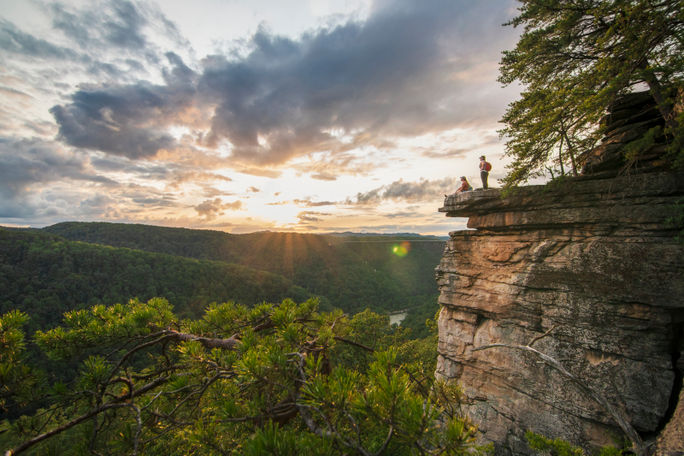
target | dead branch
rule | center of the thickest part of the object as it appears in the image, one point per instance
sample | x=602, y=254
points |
x=619, y=417
x=208, y=342
x=542, y=336
x=118, y=402
x=356, y=344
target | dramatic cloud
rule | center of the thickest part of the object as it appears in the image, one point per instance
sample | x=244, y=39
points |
x=28, y=165
x=108, y=112
x=127, y=120
x=407, y=70
x=407, y=191
x=210, y=209
x=24, y=163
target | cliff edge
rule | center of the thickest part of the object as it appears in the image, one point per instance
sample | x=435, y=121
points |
x=592, y=265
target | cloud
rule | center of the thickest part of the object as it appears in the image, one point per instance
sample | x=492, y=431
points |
x=325, y=176
x=309, y=203
x=449, y=153
x=210, y=209
x=406, y=191
x=115, y=24
x=13, y=40
x=24, y=163
x=126, y=25
x=406, y=70
x=303, y=202
x=11, y=92
x=30, y=167
x=392, y=75
x=127, y=120
x=311, y=216
x=112, y=41
x=138, y=133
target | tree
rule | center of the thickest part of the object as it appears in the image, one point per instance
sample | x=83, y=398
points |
x=261, y=380
x=573, y=59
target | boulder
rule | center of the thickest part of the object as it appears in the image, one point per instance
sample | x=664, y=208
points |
x=627, y=120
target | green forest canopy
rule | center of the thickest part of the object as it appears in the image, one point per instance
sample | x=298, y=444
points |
x=272, y=379
x=45, y=274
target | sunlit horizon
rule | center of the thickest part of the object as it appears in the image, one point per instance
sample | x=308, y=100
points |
x=314, y=117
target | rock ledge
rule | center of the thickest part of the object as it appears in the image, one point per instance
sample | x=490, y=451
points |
x=593, y=261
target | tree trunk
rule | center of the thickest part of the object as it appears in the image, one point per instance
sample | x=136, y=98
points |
x=664, y=106
x=571, y=152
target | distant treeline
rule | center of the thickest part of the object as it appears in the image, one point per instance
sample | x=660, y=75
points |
x=46, y=272
x=351, y=272
x=45, y=275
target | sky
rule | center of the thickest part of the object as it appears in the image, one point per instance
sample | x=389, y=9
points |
x=249, y=115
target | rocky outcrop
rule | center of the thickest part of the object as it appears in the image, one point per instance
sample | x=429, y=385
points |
x=628, y=119
x=594, y=267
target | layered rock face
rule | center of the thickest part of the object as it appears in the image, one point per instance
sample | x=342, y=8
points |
x=628, y=119
x=593, y=264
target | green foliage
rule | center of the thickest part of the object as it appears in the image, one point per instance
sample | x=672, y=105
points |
x=676, y=220
x=274, y=440
x=559, y=447
x=18, y=381
x=347, y=272
x=574, y=59
x=271, y=379
x=45, y=276
x=556, y=447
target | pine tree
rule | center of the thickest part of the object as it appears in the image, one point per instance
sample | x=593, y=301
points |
x=271, y=379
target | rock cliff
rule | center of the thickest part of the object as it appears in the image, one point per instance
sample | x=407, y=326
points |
x=592, y=265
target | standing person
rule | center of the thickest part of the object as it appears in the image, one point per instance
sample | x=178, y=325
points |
x=485, y=167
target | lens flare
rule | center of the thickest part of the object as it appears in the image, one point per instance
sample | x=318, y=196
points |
x=401, y=250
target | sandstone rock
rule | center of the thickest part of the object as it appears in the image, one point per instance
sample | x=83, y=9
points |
x=627, y=120
x=592, y=260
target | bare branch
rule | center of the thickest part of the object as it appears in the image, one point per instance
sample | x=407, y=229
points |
x=356, y=344
x=542, y=336
x=119, y=402
x=386, y=442
x=208, y=342
x=618, y=415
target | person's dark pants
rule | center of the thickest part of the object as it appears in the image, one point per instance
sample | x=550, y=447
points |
x=484, y=175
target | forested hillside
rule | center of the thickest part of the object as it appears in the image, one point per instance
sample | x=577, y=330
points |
x=350, y=272
x=47, y=272
x=214, y=338
x=46, y=275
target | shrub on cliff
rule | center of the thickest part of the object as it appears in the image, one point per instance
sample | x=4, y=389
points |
x=574, y=59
